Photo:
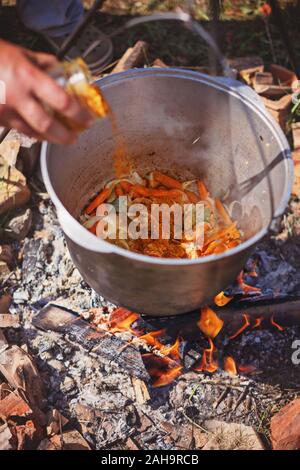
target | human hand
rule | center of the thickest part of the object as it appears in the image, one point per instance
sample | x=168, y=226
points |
x=29, y=90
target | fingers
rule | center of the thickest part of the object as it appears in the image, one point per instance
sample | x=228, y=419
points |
x=50, y=93
x=42, y=123
x=11, y=119
x=42, y=60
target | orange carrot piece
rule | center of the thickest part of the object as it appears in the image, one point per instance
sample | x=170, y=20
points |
x=126, y=186
x=93, y=229
x=119, y=190
x=223, y=212
x=98, y=200
x=140, y=190
x=167, y=181
x=192, y=197
x=202, y=190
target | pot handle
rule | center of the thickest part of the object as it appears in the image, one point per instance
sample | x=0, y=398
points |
x=80, y=235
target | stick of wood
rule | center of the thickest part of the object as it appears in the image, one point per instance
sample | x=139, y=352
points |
x=133, y=57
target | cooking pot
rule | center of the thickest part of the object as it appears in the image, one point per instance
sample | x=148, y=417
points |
x=188, y=125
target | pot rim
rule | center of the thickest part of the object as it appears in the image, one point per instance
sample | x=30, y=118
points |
x=90, y=242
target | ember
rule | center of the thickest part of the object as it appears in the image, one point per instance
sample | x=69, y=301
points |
x=240, y=330
x=246, y=289
x=162, y=370
x=274, y=323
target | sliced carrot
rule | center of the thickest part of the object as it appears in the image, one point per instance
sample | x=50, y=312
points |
x=192, y=197
x=119, y=190
x=93, y=229
x=202, y=190
x=98, y=200
x=126, y=186
x=140, y=190
x=167, y=181
x=162, y=192
x=223, y=212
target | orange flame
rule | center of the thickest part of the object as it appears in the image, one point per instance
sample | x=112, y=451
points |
x=173, y=351
x=246, y=324
x=258, y=322
x=150, y=338
x=167, y=377
x=208, y=364
x=230, y=366
x=210, y=324
x=221, y=299
x=245, y=287
x=162, y=370
x=279, y=327
x=246, y=369
x=121, y=320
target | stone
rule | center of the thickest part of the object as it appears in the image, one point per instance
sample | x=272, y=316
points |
x=7, y=441
x=131, y=445
x=13, y=405
x=285, y=427
x=7, y=320
x=29, y=150
x=279, y=109
x=296, y=135
x=282, y=75
x=73, y=440
x=68, y=384
x=296, y=185
x=55, y=422
x=21, y=373
x=231, y=436
x=18, y=227
x=9, y=151
x=6, y=254
x=5, y=302
x=4, y=270
x=14, y=191
x=159, y=63
x=247, y=67
x=262, y=80
x=3, y=343
x=57, y=365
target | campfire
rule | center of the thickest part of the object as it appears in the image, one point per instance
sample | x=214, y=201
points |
x=77, y=372
x=163, y=359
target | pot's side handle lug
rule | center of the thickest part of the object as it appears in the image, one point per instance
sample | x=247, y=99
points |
x=80, y=235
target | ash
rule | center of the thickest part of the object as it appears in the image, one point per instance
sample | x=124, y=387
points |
x=99, y=397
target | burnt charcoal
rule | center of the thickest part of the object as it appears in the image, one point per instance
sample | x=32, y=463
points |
x=77, y=330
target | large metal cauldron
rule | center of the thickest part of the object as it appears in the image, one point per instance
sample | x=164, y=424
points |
x=187, y=124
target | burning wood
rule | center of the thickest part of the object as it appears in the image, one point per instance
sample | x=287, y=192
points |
x=77, y=330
